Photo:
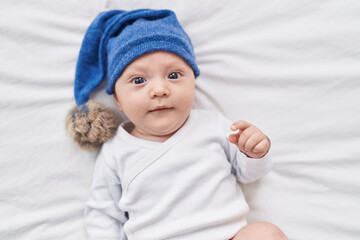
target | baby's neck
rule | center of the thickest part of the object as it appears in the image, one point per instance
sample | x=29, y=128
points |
x=154, y=138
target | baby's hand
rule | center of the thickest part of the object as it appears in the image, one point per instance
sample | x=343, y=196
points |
x=249, y=139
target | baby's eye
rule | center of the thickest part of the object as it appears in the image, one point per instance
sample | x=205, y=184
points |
x=174, y=75
x=138, y=80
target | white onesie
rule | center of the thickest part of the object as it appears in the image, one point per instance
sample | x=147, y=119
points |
x=184, y=188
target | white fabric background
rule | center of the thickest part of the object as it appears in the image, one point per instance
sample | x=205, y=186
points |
x=290, y=67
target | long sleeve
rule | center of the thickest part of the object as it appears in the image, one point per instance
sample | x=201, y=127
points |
x=248, y=170
x=103, y=218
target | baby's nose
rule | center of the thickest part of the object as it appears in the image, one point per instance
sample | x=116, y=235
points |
x=159, y=90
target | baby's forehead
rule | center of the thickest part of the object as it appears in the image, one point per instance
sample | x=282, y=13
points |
x=157, y=58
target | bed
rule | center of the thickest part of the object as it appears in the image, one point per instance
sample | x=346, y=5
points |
x=290, y=67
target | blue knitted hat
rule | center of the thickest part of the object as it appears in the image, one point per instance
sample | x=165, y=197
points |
x=116, y=38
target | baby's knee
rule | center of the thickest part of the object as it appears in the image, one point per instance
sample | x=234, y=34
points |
x=260, y=231
x=270, y=231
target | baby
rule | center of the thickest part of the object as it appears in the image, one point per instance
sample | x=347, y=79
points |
x=170, y=172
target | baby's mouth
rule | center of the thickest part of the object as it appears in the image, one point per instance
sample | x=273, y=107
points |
x=161, y=108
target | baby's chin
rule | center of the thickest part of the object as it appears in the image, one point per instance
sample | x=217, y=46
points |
x=159, y=129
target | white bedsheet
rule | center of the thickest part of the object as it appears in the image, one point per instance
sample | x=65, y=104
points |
x=290, y=67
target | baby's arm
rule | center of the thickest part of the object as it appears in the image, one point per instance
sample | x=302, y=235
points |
x=103, y=218
x=249, y=139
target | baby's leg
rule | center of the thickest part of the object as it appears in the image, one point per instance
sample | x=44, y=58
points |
x=260, y=231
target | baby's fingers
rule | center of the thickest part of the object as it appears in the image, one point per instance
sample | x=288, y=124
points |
x=253, y=141
x=234, y=138
x=240, y=125
x=262, y=147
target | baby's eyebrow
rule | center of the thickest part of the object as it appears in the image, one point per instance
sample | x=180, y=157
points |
x=173, y=63
x=138, y=68
x=133, y=70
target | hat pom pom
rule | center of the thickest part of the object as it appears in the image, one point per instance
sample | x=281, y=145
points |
x=91, y=125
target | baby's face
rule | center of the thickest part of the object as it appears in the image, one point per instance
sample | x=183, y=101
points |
x=156, y=92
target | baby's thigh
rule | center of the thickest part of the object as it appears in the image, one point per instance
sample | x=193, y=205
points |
x=260, y=231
